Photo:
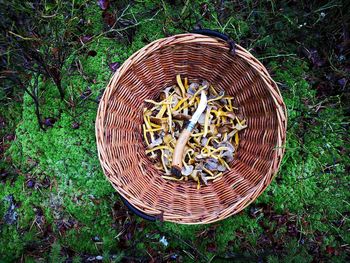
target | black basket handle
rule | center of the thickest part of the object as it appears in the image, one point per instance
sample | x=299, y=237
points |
x=212, y=33
x=136, y=211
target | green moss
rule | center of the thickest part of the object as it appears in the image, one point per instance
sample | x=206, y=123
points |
x=55, y=253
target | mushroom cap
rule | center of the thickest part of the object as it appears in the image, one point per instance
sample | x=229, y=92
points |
x=187, y=170
x=204, y=178
x=221, y=168
x=211, y=164
x=192, y=89
x=155, y=142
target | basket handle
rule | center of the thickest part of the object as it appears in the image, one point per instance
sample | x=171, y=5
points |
x=212, y=33
x=136, y=211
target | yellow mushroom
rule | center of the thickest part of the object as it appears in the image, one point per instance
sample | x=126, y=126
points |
x=216, y=98
x=236, y=138
x=179, y=104
x=183, y=93
x=213, y=90
x=162, y=111
x=186, y=83
x=181, y=86
x=206, y=122
x=196, y=94
x=148, y=126
x=224, y=163
x=158, y=103
x=169, y=116
x=163, y=160
x=172, y=178
x=145, y=134
x=159, y=148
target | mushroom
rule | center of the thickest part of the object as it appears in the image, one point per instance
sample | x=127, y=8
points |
x=221, y=94
x=181, y=116
x=224, y=163
x=239, y=126
x=224, y=128
x=148, y=126
x=228, y=145
x=165, y=162
x=155, y=143
x=228, y=155
x=183, y=93
x=221, y=168
x=204, y=141
x=194, y=175
x=211, y=164
x=153, y=156
x=206, y=121
x=167, y=139
x=175, y=99
x=180, y=101
x=204, y=178
x=213, y=129
x=164, y=94
x=205, y=84
x=158, y=120
x=212, y=90
x=194, y=97
x=187, y=169
x=172, y=178
x=192, y=89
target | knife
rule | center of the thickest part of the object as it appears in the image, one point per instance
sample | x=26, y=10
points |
x=185, y=135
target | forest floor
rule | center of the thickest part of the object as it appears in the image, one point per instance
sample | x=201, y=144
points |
x=57, y=206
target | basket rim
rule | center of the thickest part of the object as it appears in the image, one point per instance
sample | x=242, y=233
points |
x=242, y=53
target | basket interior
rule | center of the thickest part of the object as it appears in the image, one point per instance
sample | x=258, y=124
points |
x=134, y=175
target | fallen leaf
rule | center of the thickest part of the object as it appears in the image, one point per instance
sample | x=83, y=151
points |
x=108, y=18
x=211, y=247
x=330, y=250
x=114, y=66
x=85, y=39
x=103, y=4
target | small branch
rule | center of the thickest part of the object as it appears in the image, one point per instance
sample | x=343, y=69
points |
x=24, y=38
x=278, y=56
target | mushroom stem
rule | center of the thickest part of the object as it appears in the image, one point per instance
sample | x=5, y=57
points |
x=159, y=148
x=206, y=122
x=148, y=126
x=169, y=116
x=183, y=93
x=145, y=134
x=154, y=129
x=158, y=103
x=162, y=111
x=173, y=178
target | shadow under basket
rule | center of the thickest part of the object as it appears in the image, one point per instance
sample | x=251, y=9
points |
x=120, y=141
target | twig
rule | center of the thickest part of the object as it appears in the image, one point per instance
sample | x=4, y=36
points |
x=112, y=30
x=278, y=56
x=185, y=7
x=24, y=38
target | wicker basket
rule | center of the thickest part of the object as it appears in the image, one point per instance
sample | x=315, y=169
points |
x=120, y=116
